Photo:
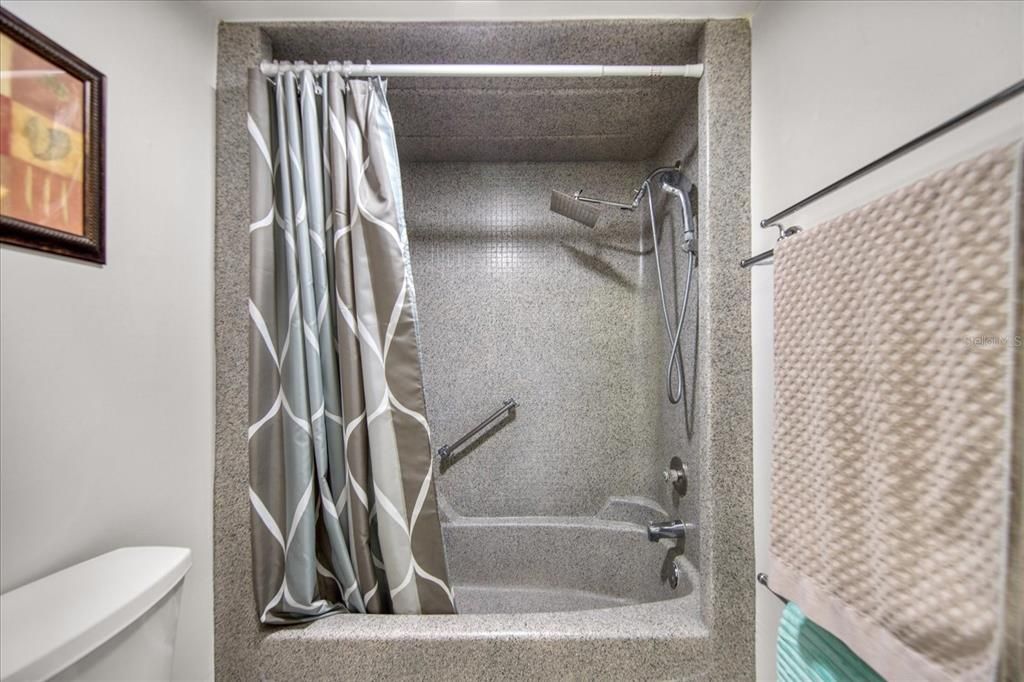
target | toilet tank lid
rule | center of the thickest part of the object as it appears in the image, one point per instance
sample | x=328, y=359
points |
x=47, y=625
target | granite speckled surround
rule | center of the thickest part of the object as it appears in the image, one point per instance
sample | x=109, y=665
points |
x=553, y=566
x=515, y=300
x=515, y=119
x=594, y=422
x=724, y=461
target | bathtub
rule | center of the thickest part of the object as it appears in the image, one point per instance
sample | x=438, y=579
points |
x=538, y=598
x=554, y=564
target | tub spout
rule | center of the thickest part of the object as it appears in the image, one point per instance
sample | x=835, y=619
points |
x=667, y=529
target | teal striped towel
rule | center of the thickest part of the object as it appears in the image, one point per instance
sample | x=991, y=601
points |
x=807, y=653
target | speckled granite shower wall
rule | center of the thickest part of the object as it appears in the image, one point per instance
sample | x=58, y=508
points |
x=517, y=301
x=677, y=429
x=724, y=463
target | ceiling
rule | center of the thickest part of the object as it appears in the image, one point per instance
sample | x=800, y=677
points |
x=480, y=10
x=517, y=119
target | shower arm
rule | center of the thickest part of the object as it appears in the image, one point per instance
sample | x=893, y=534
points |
x=616, y=204
x=638, y=194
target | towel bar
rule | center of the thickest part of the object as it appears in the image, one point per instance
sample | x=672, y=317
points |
x=992, y=102
x=763, y=579
x=783, y=233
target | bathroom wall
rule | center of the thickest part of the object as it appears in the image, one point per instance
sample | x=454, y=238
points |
x=515, y=300
x=836, y=84
x=106, y=426
x=679, y=429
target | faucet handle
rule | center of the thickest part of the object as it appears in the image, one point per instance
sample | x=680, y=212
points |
x=676, y=476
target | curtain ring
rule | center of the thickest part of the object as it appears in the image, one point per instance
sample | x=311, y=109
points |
x=317, y=90
x=346, y=69
x=276, y=80
x=312, y=76
x=380, y=81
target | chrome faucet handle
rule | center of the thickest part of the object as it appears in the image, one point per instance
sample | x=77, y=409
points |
x=676, y=477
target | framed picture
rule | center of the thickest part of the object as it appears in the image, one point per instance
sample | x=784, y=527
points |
x=51, y=146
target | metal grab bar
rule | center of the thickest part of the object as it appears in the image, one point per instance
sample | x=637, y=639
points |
x=445, y=451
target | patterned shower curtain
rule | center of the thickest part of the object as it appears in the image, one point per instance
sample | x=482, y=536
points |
x=343, y=511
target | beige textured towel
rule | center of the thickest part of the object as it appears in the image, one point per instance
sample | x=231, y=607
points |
x=895, y=353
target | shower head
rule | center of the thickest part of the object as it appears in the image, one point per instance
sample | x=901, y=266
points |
x=583, y=209
x=574, y=209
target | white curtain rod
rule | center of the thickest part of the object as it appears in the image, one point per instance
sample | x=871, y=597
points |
x=489, y=70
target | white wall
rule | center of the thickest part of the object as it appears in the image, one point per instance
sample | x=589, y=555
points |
x=470, y=10
x=106, y=398
x=834, y=86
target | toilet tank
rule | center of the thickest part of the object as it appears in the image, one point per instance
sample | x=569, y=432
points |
x=113, y=617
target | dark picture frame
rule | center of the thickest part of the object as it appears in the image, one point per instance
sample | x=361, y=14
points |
x=91, y=244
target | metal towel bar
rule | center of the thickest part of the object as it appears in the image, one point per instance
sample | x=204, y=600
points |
x=445, y=451
x=992, y=102
x=763, y=579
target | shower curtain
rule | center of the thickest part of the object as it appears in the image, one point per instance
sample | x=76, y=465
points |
x=343, y=510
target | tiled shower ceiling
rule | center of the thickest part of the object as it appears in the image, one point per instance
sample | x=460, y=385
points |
x=517, y=119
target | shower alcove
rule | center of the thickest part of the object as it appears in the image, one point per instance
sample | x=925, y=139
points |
x=543, y=515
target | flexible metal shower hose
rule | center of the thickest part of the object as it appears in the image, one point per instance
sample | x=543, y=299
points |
x=675, y=363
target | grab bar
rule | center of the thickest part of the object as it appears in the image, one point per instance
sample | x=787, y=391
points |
x=446, y=451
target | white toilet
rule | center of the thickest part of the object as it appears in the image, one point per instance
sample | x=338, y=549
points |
x=113, y=617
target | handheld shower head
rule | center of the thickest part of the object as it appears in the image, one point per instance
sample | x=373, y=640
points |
x=672, y=189
x=675, y=179
x=574, y=209
x=689, y=229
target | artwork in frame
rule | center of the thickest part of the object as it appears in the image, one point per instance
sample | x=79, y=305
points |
x=51, y=146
